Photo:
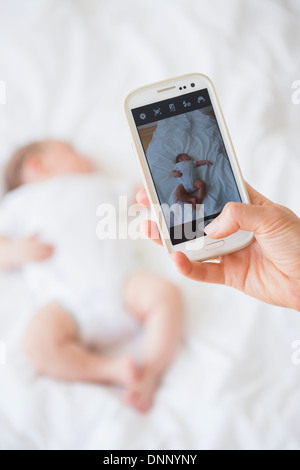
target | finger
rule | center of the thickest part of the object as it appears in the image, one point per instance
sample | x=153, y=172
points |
x=150, y=229
x=49, y=249
x=33, y=238
x=142, y=198
x=45, y=251
x=204, y=272
x=235, y=216
x=256, y=197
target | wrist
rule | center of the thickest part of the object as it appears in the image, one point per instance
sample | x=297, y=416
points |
x=13, y=254
x=15, y=258
x=8, y=258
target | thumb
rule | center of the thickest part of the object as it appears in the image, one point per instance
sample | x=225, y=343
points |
x=235, y=216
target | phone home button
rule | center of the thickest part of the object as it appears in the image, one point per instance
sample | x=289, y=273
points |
x=215, y=245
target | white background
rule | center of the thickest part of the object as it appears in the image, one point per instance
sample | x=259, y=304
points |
x=67, y=66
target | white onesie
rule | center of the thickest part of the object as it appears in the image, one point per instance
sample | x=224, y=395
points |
x=187, y=168
x=85, y=275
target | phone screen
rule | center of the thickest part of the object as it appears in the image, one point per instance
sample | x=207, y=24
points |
x=188, y=162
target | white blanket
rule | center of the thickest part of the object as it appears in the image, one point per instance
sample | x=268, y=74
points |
x=67, y=67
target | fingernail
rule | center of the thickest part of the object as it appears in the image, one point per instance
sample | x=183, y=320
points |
x=213, y=227
x=173, y=255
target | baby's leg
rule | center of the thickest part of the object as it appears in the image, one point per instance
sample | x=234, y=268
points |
x=183, y=196
x=201, y=187
x=53, y=346
x=158, y=304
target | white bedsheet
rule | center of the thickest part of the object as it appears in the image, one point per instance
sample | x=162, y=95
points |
x=67, y=67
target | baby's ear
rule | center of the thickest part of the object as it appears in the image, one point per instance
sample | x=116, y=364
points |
x=32, y=168
x=33, y=162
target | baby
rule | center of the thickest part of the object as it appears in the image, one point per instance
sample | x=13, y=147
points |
x=84, y=291
x=185, y=169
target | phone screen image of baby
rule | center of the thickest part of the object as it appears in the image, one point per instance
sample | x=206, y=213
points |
x=189, y=165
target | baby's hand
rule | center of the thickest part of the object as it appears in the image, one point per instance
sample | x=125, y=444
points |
x=176, y=174
x=204, y=162
x=30, y=250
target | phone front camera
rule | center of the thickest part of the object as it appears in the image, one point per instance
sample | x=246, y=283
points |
x=193, y=85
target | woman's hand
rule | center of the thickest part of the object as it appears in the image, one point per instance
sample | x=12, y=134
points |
x=268, y=269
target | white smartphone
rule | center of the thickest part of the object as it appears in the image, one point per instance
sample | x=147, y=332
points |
x=188, y=163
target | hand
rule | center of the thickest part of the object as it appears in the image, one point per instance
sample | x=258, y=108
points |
x=204, y=162
x=268, y=269
x=30, y=250
x=176, y=174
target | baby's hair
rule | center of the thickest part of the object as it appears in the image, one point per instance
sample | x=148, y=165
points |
x=14, y=168
x=178, y=157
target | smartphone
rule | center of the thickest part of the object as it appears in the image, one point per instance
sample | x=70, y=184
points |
x=188, y=163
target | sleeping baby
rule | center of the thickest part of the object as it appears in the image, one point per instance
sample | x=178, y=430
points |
x=189, y=181
x=85, y=290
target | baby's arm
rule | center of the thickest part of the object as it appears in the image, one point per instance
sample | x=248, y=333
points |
x=204, y=162
x=176, y=173
x=16, y=253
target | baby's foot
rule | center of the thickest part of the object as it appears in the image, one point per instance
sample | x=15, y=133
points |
x=118, y=371
x=141, y=394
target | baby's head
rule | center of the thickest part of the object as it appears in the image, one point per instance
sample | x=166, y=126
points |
x=43, y=160
x=183, y=157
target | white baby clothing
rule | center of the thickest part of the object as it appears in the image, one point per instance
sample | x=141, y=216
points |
x=85, y=275
x=187, y=168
